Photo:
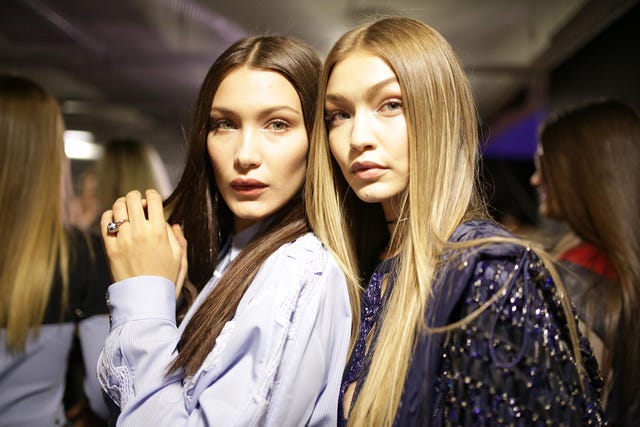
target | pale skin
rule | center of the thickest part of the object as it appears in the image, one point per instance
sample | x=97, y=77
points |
x=368, y=130
x=257, y=143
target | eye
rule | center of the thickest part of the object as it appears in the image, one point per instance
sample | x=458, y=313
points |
x=391, y=106
x=333, y=118
x=278, y=125
x=222, y=125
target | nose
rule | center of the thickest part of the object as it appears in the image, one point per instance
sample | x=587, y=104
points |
x=361, y=133
x=248, y=153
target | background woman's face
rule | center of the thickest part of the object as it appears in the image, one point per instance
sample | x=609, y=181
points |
x=257, y=143
x=367, y=128
x=546, y=204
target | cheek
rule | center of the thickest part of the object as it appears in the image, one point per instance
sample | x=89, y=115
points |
x=337, y=147
x=291, y=164
x=298, y=164
x=220, y=162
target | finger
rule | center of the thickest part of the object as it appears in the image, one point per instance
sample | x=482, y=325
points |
x=177, y=231
x=134, y=209
x=184, y=265
x=176, y=250
x=155, y=211
x=174, y=242
x=119, y=210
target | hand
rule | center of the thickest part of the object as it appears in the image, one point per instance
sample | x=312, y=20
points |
x=143, y=246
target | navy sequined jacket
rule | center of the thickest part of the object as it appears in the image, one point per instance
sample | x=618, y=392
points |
x=511, y=365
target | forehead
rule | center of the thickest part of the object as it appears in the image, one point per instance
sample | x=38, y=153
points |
x=359, y=70
x=246, y=86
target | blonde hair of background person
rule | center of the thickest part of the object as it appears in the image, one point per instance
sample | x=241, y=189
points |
x=129, y=164
x=441, y=123
x=34, y=188
x=589, y=160
x=52, y=284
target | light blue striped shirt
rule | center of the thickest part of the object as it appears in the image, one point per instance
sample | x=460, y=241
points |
x=278, y=362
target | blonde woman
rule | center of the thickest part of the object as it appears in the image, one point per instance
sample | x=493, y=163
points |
x=461, y=323
x=587, y=175
x=51, y=280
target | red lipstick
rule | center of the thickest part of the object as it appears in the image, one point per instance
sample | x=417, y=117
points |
x=248, y=186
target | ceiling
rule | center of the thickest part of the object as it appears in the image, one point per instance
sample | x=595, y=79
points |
x=132, y=68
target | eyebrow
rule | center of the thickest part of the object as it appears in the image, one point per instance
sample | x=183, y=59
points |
x=265, y=112
x=368, y=93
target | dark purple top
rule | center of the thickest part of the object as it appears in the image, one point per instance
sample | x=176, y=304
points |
x=511, y=365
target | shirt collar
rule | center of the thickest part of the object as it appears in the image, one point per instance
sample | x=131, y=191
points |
x=242, y=239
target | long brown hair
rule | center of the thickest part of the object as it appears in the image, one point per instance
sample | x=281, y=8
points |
x=591, y=168
x=207, y=220
x=34, y=186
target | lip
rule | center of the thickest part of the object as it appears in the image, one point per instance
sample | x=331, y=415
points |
x=368, y=170
x=248, y=186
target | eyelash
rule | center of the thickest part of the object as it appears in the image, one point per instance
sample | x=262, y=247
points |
x=329, y=117
x=219, y=123
x=392, y=101
x=216, y=124
x=284, y=123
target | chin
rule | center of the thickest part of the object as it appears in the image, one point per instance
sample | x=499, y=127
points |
x=375, y=196
x=369, y=198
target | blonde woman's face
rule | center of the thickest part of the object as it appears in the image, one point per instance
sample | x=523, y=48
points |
x=367, y=129
x=257, y=143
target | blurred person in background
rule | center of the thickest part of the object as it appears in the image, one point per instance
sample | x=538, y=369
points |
x=588, y=175
x=52, y=276
x=126, y=164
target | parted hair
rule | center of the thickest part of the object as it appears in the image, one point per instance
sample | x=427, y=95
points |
x=34, y=188
x=198, y=205
x=442, y=192
x=590, y=166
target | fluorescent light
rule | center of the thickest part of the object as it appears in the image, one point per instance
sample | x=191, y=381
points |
x=78, y=144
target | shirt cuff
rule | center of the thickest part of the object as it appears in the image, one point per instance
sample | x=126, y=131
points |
x=142, y=297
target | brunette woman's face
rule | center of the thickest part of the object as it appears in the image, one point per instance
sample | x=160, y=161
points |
x=367, y=129
x=546, y=205
x=257, y=143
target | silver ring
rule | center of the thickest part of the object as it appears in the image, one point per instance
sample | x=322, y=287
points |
x=112, y=227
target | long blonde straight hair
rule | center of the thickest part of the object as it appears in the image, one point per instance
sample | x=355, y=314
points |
x=442, y=192
x=34, y=183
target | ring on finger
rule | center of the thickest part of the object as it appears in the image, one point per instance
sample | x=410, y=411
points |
x=112, y=227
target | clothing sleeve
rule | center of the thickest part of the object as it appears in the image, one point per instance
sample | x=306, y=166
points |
x=514, y=363
x=277, y=362
x=92, y=332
